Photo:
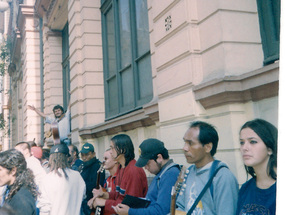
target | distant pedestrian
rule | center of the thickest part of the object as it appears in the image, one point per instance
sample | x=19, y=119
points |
x=45, y=159
x=21, y=191
x=74, y=160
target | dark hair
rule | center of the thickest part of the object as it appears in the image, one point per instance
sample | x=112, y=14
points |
x=58, y=161
x=164, y=154
x=75, y=149
x=207, y=134
x=45, y=154
x=124, y=145
x=268, y=133
x=58, y=107
x=12, y=158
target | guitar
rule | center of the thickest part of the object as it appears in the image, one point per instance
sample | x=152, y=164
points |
x=175, y=189
x=55, y=133
x=98, y=210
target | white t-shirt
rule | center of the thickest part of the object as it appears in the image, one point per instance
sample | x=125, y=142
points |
x=61, y=196
x=63, y=125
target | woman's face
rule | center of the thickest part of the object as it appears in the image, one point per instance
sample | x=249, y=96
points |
x=254, y=151
x=6, y=177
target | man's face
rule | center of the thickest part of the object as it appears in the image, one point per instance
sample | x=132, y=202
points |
x=109, y=161
x=113, y=151
x=194, y=151
x=87, y=156
x=72, y=154
x=57, y=113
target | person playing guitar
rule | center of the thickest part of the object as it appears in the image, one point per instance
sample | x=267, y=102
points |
x=60, y=123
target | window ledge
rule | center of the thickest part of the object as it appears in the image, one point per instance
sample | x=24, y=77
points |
x=146, y=116
x=255, y=85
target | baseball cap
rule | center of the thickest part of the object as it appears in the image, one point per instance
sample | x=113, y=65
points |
x=148, y=150
x=87, y=147
x=60, y=148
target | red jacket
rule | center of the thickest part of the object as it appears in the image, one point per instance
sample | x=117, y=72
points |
x=130, y=180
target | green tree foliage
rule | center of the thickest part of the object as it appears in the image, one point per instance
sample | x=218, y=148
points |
x=4, y=56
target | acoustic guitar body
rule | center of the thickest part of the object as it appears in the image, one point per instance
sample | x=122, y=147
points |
x=55, y=133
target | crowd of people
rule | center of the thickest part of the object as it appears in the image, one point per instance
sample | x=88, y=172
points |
x=65, y=181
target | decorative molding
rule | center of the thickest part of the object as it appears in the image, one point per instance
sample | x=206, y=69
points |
x=41, y=7
x=146, y=116
x=252, y=86
x=57, y=14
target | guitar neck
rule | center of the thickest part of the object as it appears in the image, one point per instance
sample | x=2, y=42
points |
x=173, y=204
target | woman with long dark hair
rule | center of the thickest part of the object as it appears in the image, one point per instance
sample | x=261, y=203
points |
x=258, y=146
x=130, y=179
x=21, y=190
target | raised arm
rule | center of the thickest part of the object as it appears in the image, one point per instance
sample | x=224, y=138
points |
x=32, y=107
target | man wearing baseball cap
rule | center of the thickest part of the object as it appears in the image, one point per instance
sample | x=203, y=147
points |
x=88, y=171
x=155, y=158
x=60, y=184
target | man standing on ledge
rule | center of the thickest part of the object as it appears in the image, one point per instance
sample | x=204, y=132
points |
x=155, y=158
x=63, y=120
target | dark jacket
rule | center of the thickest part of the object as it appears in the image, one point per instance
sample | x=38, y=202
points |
x=23, y=202
x=76, y=164
x=88, y=171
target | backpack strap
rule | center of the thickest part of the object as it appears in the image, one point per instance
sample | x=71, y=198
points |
x=165, y=169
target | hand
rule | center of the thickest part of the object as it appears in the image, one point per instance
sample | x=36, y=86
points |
x=90, y=202
x=98, y=192
x=122, y=209
x=99, y=202
x=31, y=107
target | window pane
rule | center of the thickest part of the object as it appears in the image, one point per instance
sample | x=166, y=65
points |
x=142, y=26
x=113, y=96
x=127, y=87
x=125, y=33
x=111, y=43
x=145, y=78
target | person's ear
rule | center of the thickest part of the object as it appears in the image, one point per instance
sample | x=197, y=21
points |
x=269, y=151
x=208, y=147
x=13, y=171
x=159, y=158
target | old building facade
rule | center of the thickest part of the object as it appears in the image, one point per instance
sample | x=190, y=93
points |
x=146, y=68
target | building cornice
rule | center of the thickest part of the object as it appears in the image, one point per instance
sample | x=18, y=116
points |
x=146, y=116
x=255, y=85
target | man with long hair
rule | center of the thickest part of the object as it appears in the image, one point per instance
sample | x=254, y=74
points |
x=21, y=191
x=63, y=189
x=154, y=158
x=130, y=180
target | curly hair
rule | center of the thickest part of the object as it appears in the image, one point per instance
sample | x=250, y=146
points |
x=58, y=161
x=11, y=159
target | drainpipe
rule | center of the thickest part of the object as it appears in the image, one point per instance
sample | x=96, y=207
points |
x=41, y=79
